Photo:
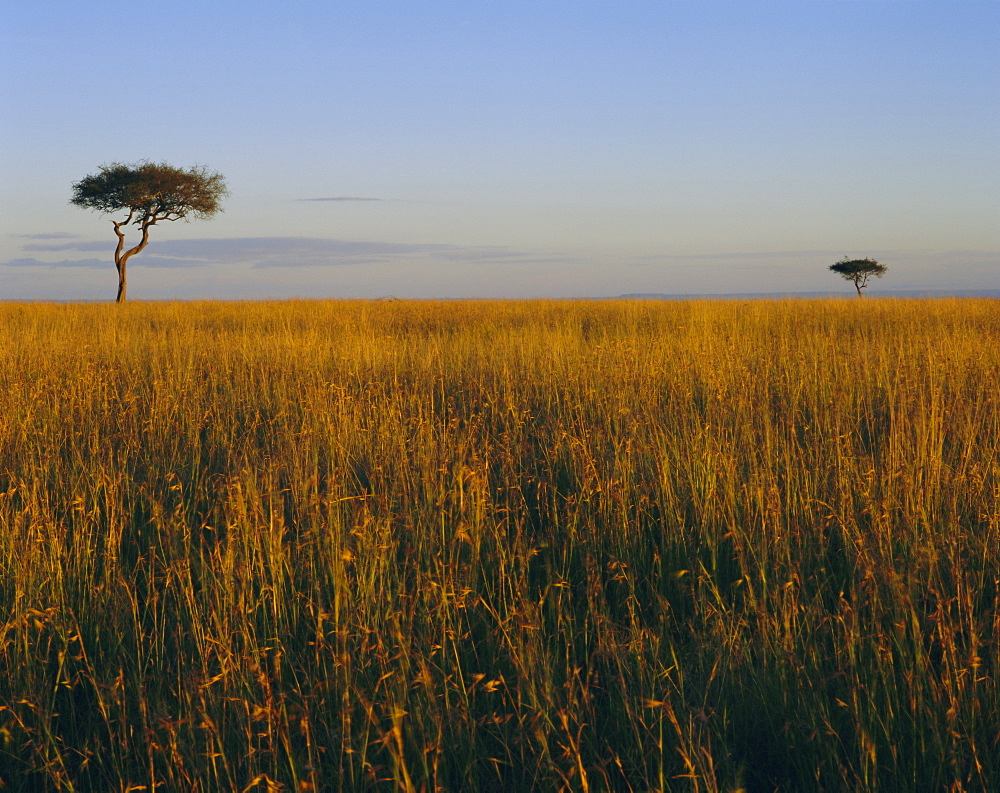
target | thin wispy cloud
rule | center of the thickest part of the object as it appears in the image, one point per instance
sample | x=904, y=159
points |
x=67, y=246
x=47, y=235
x=32, y=262
x=259, y=253
x=273, y=252
x=748, y=255
x=892, y=256
x=340, y=198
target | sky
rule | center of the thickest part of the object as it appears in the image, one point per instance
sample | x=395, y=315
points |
x=500, y=148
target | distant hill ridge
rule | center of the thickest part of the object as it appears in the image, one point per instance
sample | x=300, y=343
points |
x=928, y=293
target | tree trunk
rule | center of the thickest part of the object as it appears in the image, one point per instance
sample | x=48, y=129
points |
x=121, y=283
x=858, y=287
x=122, y=258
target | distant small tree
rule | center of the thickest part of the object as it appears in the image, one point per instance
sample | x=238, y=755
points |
x=859, y=271
x=149, y=192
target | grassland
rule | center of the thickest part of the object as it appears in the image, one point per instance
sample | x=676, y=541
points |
x=696, y=546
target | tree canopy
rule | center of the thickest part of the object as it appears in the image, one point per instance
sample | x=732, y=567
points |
x=152, y=191
x=149, y=192
x=859, y=271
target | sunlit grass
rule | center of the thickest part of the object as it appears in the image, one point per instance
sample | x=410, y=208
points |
x=500, y=545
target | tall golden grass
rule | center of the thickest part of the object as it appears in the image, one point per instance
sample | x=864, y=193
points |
x=419, y=546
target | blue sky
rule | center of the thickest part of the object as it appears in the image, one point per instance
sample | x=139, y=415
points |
x=508, y=149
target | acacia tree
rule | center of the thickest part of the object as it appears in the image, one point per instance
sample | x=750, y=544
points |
x=149, y=192
x=858, y=271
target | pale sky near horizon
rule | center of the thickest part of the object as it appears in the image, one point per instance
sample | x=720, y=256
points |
x=462, y=148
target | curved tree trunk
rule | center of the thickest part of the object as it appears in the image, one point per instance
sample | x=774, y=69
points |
x=122, y=258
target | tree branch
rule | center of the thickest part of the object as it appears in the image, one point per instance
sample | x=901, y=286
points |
x=121, y=238
x=121, y=258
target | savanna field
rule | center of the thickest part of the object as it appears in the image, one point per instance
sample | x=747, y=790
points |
x=479, y=546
